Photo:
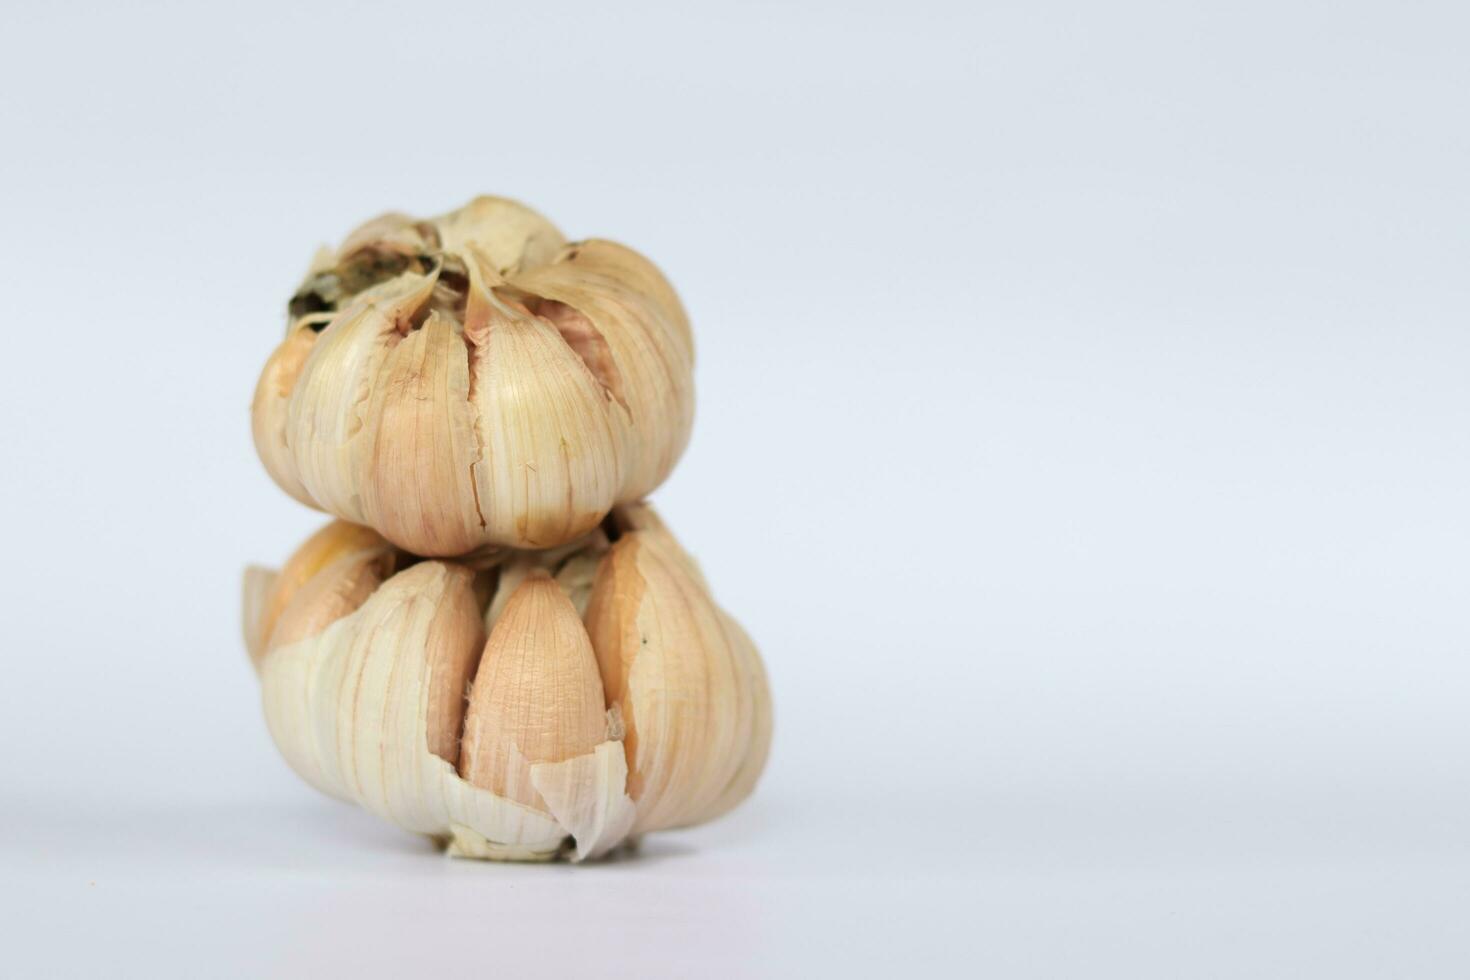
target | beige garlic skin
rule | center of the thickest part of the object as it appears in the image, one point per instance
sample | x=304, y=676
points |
x=474, y=380
x=517, y=706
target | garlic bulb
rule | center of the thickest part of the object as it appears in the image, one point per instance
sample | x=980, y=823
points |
x=517, y=706
x=474, y=380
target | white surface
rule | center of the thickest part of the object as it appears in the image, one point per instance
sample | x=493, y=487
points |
x=1082, y=434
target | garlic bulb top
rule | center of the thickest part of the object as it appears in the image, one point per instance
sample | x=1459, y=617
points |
x=474, y=380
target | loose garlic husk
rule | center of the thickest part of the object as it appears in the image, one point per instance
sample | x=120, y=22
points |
x=516, y=706
x=474, y=380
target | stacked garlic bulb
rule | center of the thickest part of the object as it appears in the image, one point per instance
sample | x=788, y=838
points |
x=496, y=645
x=475, y=380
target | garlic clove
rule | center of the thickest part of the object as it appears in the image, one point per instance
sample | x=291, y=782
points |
x=671, y=666
x=269, y=409
x=335, y=591
x=453, y=647
x=536, y=697
x=418, y=489
x=758, y=741
x=549, y=467
x=334, y=541
x=369, y=707
x=327, y=412
x=619, y=314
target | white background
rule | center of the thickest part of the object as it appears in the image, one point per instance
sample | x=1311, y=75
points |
x=1082, y=434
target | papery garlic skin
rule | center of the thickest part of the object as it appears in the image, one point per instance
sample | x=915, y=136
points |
x=474, y=380
x=512, y=709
